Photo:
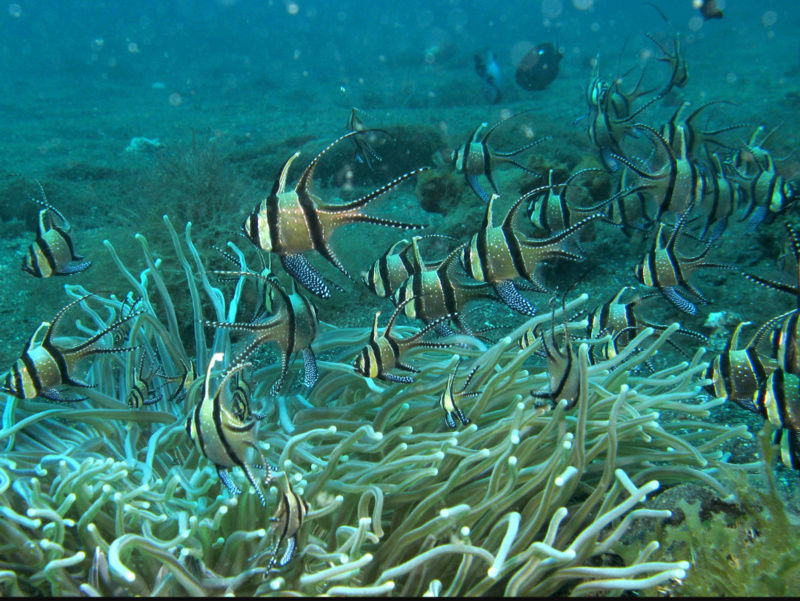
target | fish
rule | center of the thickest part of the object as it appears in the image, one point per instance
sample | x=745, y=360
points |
x=488, y=70
x=140, y=395
x=292, y=326
x=44, y=364
x=241, y=397
x=286, y=522
x=738, y=374
x=611, y=118
x=552, y=212
x=438, y=291
x=779, y=401
x=667, y=271
x=766, y=192
x=497, y=254
x=563, y=369
x=53, y=252
x=221, y=436
x=384, y=352
x=290, y=222
x=684, y=137
x=678, y=184
x=721, y=200
x=447, y=400
x=709, y=9
x=364, y=152
x=475, y=158
x=388, y=272
x=539, y=67
x=621, y=322
x=678, y=67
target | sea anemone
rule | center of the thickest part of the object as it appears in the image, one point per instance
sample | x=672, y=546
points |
x=99, y=499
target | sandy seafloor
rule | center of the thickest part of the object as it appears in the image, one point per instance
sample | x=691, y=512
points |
x=69, y=128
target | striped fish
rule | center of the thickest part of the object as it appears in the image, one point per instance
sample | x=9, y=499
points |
x=364, y=153
x=290, y=222
x=552, y=212
x=747, y=159
x=611, y=117
x=395, y=266
x=784, y=330
x=241, y=401
x=621, y=322
x=52, y=253
x=475, y=158
x=44, y=364
x=723, y=197
x=437, y=292
x=738, y=374
x=497, y=254
x=292, y=326
x=286, y=523
x=779, y=401
x=678, y=184
x=678, y=67
x=563, y=369
x=140, y=394
x=667, y=271
x=221, y=436
x=766, y=192
x=684, y=137
x=384, y=352
x=447, y=400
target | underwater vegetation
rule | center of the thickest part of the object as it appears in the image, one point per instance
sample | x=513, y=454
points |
x=102, y=499
x=743, y=551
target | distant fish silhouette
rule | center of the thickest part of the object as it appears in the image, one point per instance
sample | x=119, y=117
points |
x=539, y=67
x=709, y=9
x=489, y=71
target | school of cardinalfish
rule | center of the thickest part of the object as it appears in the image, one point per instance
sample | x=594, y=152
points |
x=681, y=181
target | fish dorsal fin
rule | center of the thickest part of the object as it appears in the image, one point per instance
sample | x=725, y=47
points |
x=354, y=123
x=444, y=266
x=660, y=237
x=618, y=296
x=572, y=177
x=394, y=316
x=45, y=223
x=305, y=179
x=60, y=314
x=43, y=202
x=794, y=237
x=733, y=342
x=279, y=187
x=39, y=335
x=508, y=221
x=475, y=138
x=374, y=335
x=416, y=254
x=393, y=248
x=488, y=221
